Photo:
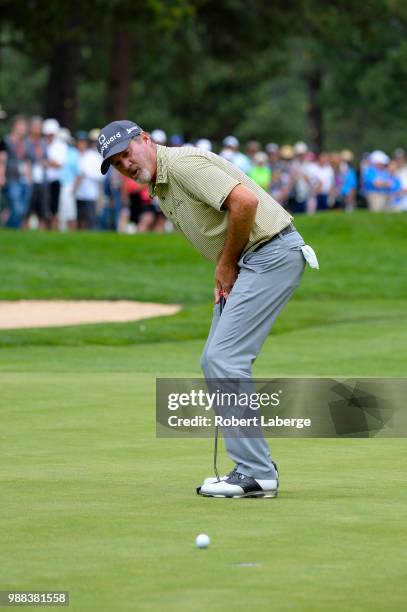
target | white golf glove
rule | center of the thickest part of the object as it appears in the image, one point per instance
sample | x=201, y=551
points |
x=310, y=256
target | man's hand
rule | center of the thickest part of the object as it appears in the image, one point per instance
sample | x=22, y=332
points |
x=225, y=278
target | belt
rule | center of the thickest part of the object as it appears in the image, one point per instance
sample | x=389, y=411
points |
x=287, y=230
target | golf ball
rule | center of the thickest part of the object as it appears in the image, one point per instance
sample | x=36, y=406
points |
x=202, y=540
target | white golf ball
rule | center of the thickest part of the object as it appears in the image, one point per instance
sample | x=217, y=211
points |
x=202, y=540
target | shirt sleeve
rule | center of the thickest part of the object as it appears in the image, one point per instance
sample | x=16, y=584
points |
x=369, y=177
x=203, y=180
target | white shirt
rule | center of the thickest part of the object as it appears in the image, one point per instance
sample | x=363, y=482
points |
x=56, y=151
x=306, y=178
x=38, y=172
x=326, y=177
x=401, y=173
x=89, y=170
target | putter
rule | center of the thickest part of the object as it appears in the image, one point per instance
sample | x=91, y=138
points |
x=222, y=303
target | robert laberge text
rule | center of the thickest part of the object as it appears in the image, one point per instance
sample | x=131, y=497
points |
x=262, y=421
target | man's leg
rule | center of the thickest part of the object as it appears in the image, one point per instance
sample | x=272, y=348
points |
x=266, y=281
x=14, y=192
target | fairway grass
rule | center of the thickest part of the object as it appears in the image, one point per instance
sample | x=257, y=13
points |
x=93, y=503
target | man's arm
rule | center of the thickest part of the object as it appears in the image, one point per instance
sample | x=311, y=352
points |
x=241, y=204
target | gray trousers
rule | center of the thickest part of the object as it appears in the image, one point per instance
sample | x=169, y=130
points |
x=267, y=279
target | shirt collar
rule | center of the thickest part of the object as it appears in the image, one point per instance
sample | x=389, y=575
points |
x=162, y=165
x=162, y=168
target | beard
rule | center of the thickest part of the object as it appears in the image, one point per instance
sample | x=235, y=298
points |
x=143, y=176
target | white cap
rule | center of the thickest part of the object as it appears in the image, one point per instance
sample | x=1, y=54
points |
x=204, y=143
x=50, y=127
x=272, y=147
x=65, y=135
x=300, y=148
x=231, y=141
x=260, y=157
x=378, y=157
x=159, y=136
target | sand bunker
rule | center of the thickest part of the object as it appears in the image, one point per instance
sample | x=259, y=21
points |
x=56, y=313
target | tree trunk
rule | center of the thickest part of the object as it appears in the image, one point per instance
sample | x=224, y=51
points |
x=61, y=91
x=120, y=73
x=314, y=110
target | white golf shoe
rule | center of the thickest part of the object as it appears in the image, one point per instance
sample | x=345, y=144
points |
x=213, y=479
x=238, y=485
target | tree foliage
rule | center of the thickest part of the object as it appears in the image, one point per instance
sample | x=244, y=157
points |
x=333, y=73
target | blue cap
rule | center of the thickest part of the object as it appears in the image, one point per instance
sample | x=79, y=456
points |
x=114, y=138
x=176, y=140
x=81, y=135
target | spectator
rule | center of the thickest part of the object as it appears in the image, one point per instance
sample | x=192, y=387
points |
x=39, y=171
x=303, y=182
x=3, y=160
x=399, y=158
x=378, y=182
x=101, y=200
x=39, y=201
x=325, y=178
x=159, y=137
x=260, y=171
x=69, y=174
x=395, y=190
x=281, y=178
x=56, y=154
x=204, y=143
x=176, y=140
x=347, y=181
x=252, y=147
x=134, y=196
x=18, y=172
x=286, y=155
x=273, y=152
x=140, y=210
x=114, y=207
x=88, y=183
x=231, y=152
x=152, y=219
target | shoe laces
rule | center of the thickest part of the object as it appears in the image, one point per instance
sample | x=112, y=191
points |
x=233, y=472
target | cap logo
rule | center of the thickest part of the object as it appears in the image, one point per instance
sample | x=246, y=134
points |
x=130, y=130
x=106, y=143
x=102, y=139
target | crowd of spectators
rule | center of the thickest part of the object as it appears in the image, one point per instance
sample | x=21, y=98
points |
x=50, y=179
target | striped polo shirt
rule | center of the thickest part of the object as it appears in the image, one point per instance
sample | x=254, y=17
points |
x=192, y=184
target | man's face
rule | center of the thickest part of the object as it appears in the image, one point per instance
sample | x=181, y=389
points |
x=20, y=128
x=323, y=159
x=36, y=129
x=138, y=161
x=81, y=145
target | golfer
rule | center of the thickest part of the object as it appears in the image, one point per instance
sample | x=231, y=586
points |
x=259, y=257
